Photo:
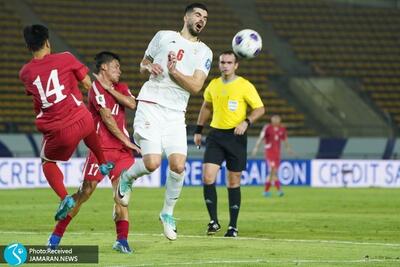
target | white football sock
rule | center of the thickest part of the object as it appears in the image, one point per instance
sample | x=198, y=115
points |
x=137, y=170
x=174, y=186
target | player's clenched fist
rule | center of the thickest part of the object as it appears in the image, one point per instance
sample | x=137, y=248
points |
x=171, y=61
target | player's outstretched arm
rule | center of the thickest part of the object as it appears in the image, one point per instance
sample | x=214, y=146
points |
x=192, y=84
x=126, y=101
x=112, y=126
x=288, y=147
x=258, y=143
x=204, y=115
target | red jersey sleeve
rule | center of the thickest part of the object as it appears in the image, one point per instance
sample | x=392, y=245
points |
x=124, y=89
x=79, y=69
x=23, y=77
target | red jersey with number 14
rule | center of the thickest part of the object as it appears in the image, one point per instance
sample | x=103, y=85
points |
x=53, y=83
x=273, y=136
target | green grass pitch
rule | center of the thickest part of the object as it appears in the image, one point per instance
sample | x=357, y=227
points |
x=306, y=227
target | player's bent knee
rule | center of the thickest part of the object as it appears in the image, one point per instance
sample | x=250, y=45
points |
x=234, y=179
x=208, y=179
x=152, y=164
x=233, y=184
x=177, y=168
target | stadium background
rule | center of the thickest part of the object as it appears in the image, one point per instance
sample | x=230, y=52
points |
x=331, y=69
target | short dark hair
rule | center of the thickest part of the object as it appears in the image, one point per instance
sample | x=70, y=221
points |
x=230, y=52
x=35, y=36
x=104, y=57
x=192, y=6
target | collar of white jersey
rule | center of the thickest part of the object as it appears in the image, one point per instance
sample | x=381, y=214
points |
x=192, y=42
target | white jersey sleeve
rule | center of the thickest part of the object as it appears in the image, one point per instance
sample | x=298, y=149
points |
x=205, y=63
x=154, y=45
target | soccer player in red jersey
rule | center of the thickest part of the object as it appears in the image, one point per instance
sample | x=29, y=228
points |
x=52, y=80
x=108, y=99
x=273, y=134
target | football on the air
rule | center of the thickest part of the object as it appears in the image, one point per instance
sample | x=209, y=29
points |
x=247, y=43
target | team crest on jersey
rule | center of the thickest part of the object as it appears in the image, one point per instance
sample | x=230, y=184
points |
x=101, y=100
x=208, y=64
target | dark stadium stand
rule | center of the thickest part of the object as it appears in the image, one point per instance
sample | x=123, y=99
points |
x=335, y=40
x=344, y=41
x=126, y=27
x=16, y=113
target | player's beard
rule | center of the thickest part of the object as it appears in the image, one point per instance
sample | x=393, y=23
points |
x=192, y=30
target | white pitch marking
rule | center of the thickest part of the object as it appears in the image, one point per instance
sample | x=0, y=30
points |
x=343, y=242
x=261, y=261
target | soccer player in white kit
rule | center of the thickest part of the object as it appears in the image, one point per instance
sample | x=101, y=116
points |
x=178, y=64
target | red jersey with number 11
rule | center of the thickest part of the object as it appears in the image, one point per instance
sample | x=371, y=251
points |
x=53, y=83
x=100, y=98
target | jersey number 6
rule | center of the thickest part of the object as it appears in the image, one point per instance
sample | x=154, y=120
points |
x=179, y=55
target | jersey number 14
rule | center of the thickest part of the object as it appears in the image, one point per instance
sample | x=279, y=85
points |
x=56, y=90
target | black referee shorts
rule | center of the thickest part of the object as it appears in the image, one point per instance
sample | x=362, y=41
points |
x=224, y=145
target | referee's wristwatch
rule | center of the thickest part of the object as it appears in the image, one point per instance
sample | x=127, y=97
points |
x=248, y=122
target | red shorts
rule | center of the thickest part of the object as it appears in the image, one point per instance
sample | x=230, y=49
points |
x=273, y=162
x=61, y=144
x=122, y=159
x=272, y=159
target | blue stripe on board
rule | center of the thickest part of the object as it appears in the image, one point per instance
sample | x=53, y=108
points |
x=390, y=143
x=331, y=148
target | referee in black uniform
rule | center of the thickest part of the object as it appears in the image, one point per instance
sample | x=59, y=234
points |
x=226, y=98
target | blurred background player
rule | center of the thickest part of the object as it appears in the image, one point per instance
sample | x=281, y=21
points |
x=178, y=64
x=52, y=80
x=226, y=98
x=108, y=99
x=273, y=134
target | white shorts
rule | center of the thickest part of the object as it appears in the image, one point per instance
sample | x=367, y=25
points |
x=158, y=129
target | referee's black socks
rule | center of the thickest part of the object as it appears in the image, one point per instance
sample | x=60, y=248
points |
x=234, y=205
x=210, y=197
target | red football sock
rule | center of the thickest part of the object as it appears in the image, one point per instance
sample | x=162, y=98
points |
x=55, y=178
x=267, y=186
x=122, y=228
x=92, y=142
x=62, y=226
x=278, y=185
